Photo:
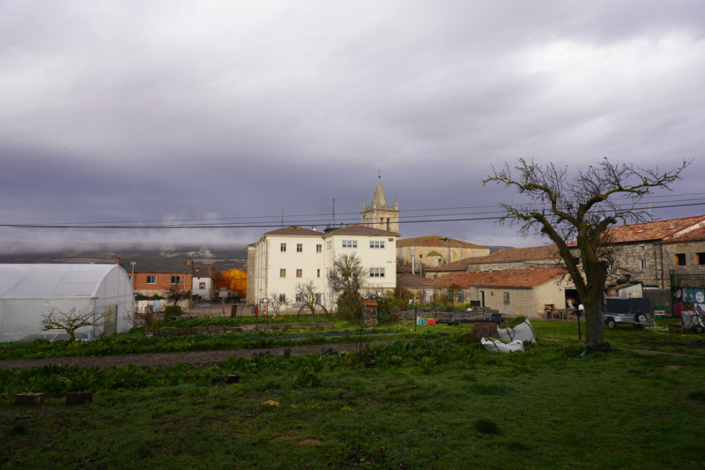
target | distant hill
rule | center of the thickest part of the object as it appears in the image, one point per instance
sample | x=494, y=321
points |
x=222, y=258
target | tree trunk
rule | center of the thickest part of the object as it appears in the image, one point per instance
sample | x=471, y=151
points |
x=594, y=331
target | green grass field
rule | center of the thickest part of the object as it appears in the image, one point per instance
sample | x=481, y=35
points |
x=425, y=403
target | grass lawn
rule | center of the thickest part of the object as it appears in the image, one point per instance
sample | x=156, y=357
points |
x=424, y=404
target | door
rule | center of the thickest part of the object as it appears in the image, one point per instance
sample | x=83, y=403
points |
x=110, y=320
x=482, y=297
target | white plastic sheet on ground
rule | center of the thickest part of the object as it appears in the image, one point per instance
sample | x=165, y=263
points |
x=522, y=332
x=499, y=346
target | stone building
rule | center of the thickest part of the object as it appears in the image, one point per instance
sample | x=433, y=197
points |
x=509, y=258
x=513, y=291
x=649, y=251
x=379, y=215
x=432, y=251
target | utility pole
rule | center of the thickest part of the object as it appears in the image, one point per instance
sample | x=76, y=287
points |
x=132, y=278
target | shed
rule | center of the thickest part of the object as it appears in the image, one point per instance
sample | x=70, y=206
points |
x=29, y=291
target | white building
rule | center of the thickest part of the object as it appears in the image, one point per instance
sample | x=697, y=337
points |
x=283, y=258
x=202, y=283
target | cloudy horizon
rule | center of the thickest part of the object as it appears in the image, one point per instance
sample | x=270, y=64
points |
x=223, y=112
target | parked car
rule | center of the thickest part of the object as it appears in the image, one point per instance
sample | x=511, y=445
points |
x=636, y=311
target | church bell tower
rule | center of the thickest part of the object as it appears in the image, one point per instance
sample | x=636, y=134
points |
x=379, y=214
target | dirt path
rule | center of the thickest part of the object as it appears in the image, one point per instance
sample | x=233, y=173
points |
x=195, y=358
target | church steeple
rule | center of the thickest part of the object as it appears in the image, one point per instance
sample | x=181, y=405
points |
x=379, y=214
x=379, y=200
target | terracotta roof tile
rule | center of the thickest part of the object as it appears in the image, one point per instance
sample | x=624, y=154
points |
x=658, y=230
x=692, y=236
x=437, y=241
x=295, y=230
x=362, y=230
x=411, y=281
x=516, y=278
x=509, y=255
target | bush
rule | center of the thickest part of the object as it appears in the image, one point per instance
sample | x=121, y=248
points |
x=173, y=311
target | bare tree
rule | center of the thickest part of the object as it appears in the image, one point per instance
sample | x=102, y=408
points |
x=176, y=293
x=70, y=321
x=346, y=281
x=277, y=302
x=306, y=291
x=580, y=208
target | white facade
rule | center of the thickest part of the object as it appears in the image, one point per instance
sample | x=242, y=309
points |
x=201, y=283
x=283, y=258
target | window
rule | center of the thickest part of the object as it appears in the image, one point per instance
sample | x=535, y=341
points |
x=349, y=243
x=506, y=298
x=461, y=296
x=282, y=273
x=176, y=279
x=318, y=299
x=700, y=258
x=376, y=272
x=680, y=259
x=643, y=264
x=299, y=272
x=379, y=245
x=151, y=279
x=299, y=298
x=282, y=298
x=282, y=248
x=201, y=285
x=318, y=273
x=319, y=248
x=299, y=248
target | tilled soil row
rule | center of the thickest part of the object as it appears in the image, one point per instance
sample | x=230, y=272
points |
x=195, y=358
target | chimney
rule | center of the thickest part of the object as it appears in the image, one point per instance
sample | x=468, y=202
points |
x=188, y=261
x=117, y=260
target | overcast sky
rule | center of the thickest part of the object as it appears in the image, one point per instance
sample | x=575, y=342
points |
x=173, y=111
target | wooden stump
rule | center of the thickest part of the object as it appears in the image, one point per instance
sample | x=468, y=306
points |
x=29, y=399
x=79, y=398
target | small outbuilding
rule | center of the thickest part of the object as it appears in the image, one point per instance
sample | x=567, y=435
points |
x=28, y=292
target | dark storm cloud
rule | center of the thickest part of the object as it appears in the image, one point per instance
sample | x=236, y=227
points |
x=113, y=111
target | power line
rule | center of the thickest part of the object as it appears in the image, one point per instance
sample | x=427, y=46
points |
x=498, y=206
x=275, y=225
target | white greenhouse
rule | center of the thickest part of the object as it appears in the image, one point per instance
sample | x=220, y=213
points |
x=30, y=292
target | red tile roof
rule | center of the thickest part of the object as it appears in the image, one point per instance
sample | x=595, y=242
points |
x=362, y=230
x=516, y=278
x=294, y=230
x=411, y=281
x=509, y=255
x=692, y=236
x=647, y=231
x=437, y=241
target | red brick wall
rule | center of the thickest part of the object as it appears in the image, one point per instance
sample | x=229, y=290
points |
x=163, y=281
